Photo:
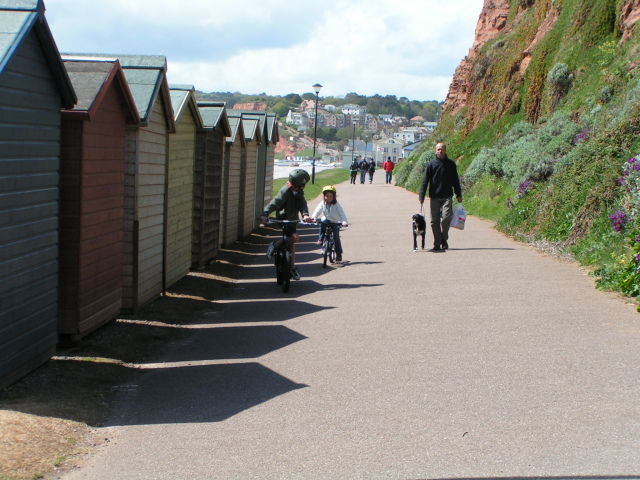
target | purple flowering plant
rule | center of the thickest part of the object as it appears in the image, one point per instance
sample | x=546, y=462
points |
x=524, y=188
x=628, y=218
x=582, y=136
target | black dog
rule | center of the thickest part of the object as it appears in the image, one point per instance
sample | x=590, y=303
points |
x=419, y=227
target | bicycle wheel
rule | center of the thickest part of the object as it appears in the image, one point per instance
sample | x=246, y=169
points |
x=332, y=252
x=286, y=271
x=325, y=253
x=278, y=264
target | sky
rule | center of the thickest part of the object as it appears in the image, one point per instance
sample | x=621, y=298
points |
x=406, y=48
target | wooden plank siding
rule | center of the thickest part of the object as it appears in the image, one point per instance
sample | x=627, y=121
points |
x=207, y=196
x=208, y=183
x=235, y=156
x=248, y=178
x=30, y=102
x=179, y=213
x=92, y=201
x=145, y=176
x=274, y=138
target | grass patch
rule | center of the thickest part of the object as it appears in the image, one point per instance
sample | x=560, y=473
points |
x=488, y=198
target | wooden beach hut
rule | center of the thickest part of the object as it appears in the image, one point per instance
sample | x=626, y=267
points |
x=145, y=178
x=181, y=162
x=208, y=182
x=93, y=139
x=265, y=157
x=34, y=86
x=248, y=171
x=235, y=159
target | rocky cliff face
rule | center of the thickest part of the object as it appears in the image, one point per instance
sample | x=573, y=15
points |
x=492, y=22
x=469, y=78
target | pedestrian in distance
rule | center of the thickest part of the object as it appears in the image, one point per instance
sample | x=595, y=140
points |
x=388, y=167
x=288, y=204
x=372, y=169
x=330, y=214
x=354, y=170
x=441, y=179
x=364, y=168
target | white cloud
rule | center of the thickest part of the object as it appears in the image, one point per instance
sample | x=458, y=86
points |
x=390, y=47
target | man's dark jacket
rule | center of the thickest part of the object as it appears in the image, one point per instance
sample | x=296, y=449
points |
x=442, y=178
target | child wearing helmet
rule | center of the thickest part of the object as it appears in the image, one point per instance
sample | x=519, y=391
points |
x=331, y=214
x=288, y=204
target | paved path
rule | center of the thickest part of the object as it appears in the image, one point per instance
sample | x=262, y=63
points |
x=488, y=360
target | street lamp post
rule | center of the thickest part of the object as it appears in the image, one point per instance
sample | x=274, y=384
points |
x=366, y=142
x=317, y=88
x=353, y=152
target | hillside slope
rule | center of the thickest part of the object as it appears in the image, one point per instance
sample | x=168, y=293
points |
x=542, y=117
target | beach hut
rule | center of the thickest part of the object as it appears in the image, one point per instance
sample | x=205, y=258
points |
x=247, y=204
x=235, y=159
x=145, y=178
x=265, y=157
x=34, y=86
x=208, y=182
x=93, y=139
x=179, y=204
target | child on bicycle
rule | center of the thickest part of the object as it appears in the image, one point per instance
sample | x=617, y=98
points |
x=288, y=204
x=331, y=214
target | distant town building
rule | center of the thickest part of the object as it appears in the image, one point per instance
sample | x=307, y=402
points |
x=352, y=109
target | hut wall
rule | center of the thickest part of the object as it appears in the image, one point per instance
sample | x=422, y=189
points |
x=268, y=184
x=180, y=199
x=207, y=193
x=146, y=157
x=247, y=212
x=29, y=162
x=235, y=158
x=91, y=212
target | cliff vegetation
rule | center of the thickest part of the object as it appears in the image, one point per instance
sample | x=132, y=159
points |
x=543, y=119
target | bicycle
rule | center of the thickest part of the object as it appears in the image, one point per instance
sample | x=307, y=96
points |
x=282, y=255
x=328, y=244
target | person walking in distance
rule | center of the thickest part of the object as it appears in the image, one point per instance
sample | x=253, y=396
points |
x=354, y=170
x=372, y=169
x=441, y=177
x=364, y=168
x=388, y=167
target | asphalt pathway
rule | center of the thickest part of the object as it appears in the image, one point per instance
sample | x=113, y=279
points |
x=487, y=360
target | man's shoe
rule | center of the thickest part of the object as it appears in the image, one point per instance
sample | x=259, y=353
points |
x=338, y=258
x=294, y=274
x=270, y=249
x=445, y=245
x=436, y=248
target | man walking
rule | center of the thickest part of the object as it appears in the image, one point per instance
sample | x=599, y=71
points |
x=441, y=176
x=388, y=166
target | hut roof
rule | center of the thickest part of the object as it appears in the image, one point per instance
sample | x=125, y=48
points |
x=91, y=79
x=235, y=124
x=250, y=124
x=268, y=122
x=183, y=99
x=214, y=114
x=17, y=19
x=147, y=79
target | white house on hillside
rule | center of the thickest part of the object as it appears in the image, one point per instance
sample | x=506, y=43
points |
x=352, y=109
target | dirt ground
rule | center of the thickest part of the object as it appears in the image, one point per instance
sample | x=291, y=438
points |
x=48, y=419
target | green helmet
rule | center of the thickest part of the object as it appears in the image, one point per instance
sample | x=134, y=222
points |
x=298, y=177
